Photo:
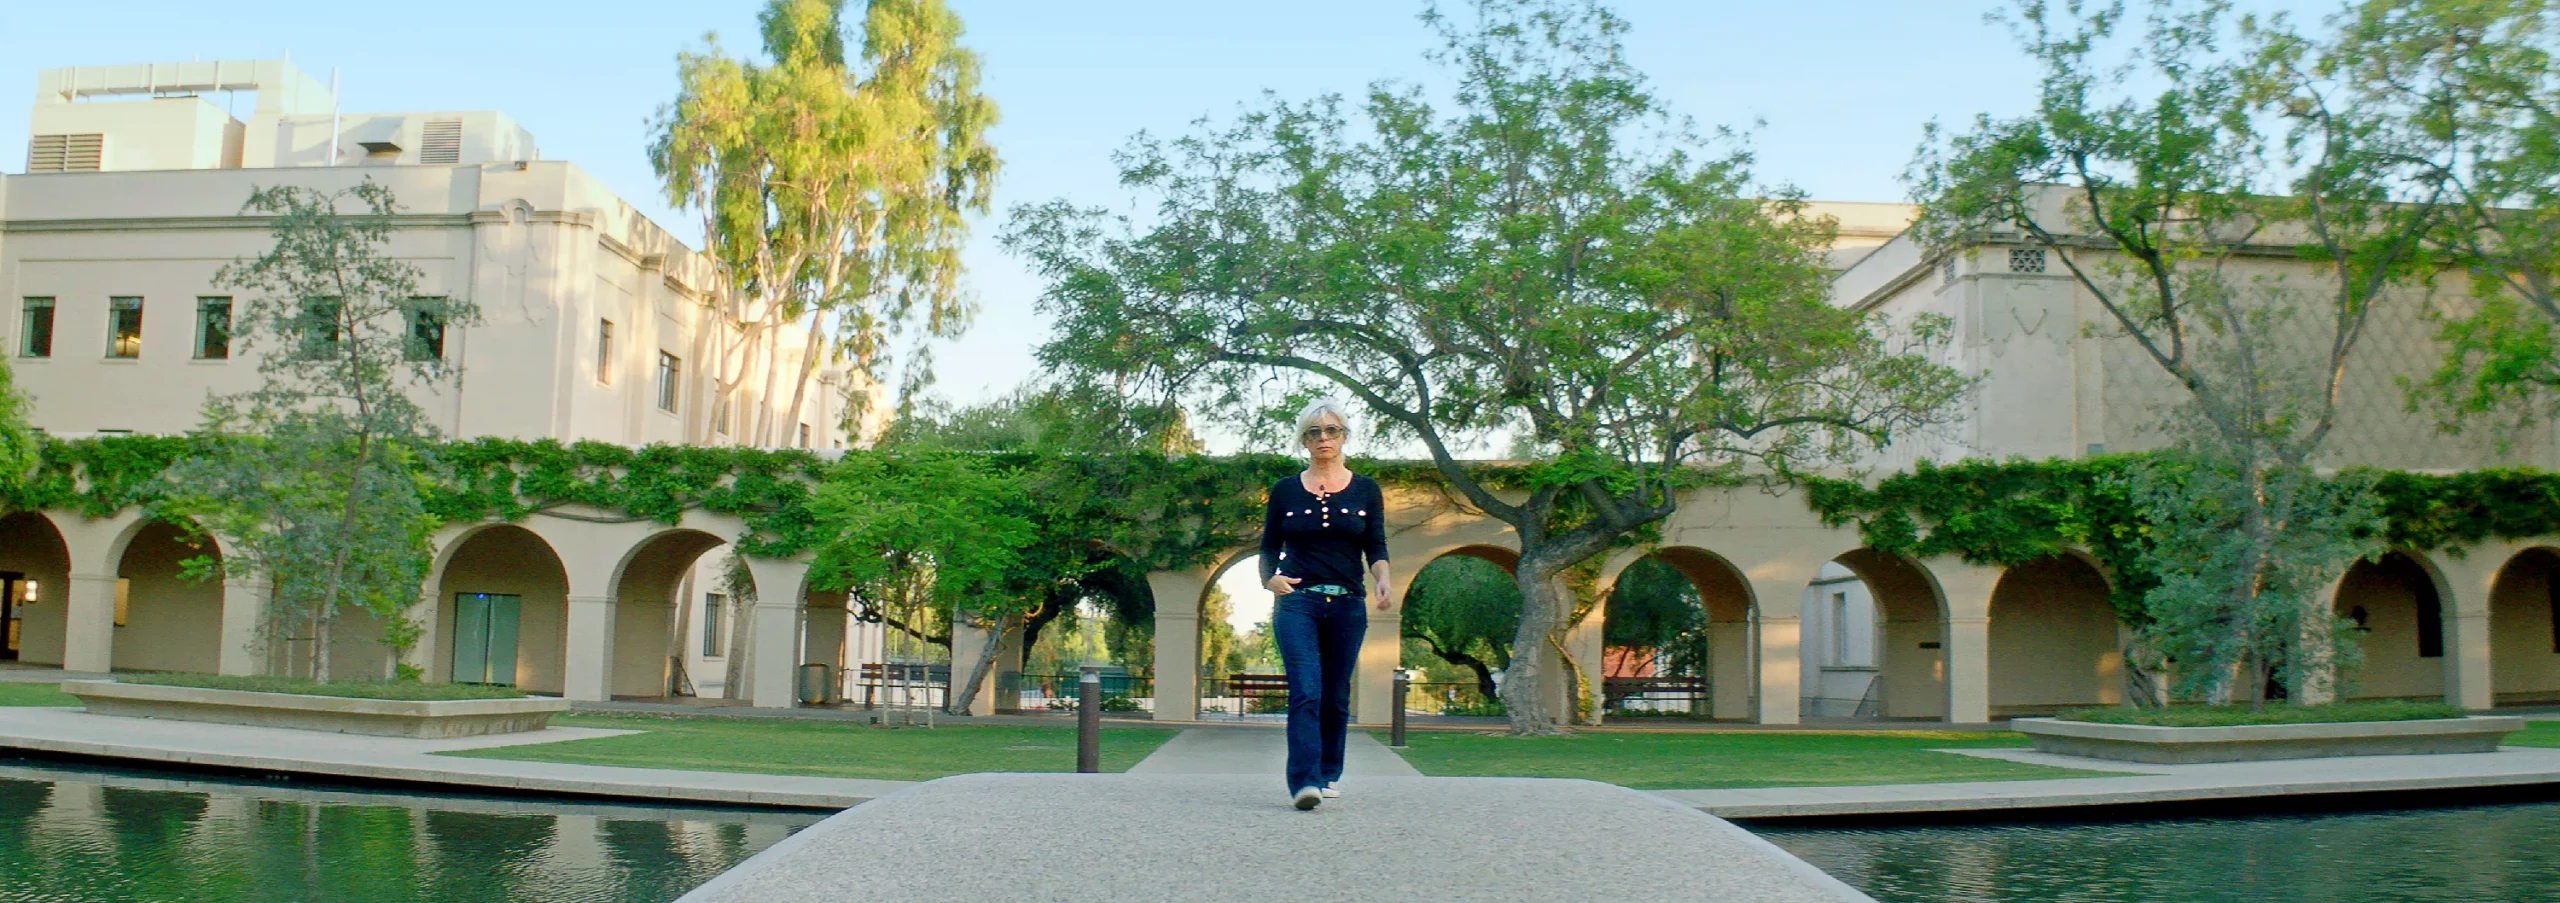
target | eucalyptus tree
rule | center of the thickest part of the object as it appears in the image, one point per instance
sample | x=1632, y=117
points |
x=314, y=476
x=1546, y=249
x=834, y=180
x=2168, y=170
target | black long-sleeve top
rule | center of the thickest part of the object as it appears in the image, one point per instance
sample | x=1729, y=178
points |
x=1321, y=539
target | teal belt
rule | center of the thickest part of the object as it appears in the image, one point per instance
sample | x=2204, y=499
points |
x=1328, y=589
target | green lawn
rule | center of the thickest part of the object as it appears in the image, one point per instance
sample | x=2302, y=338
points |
x=2536, y=733
x=14, y=692
x=406, y=690
x=2235, y=715
x=1656, y=761
x=830, y=749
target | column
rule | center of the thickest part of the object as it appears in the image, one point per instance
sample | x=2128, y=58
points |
x=423, y=655
x=1780, y=660
x=1177, y=596
x=587, y=672
x=1373, y=678
x=1968, y=648
x=2468, y=583
x=244, y=606
x=968, y=644
x=1729, y=660
x=88, y=631
x=1008, y=670
x=823, y=642
x=773, y=633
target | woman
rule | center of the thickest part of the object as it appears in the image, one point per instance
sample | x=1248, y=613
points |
x=1317, y=527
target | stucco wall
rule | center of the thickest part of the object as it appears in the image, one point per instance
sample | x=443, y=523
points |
x=512, y=561
x=30, y=545
x=2388, y=592
x=170, y=620
x=2523, y=663
x=2053, y=639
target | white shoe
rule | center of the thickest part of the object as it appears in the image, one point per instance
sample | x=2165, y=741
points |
x=1332, y=792
x=1307, y=798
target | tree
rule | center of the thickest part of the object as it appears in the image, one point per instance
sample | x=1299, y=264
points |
x=1466, y=610
x=1654, y=608
x=2163, y=208
x=315, y=474
x=833, y=188
x=1556, y=254
x=2469, y=95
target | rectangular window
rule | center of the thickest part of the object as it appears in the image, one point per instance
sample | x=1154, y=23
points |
x=318, y=326
x=804, y=435
x=37, y=328
x=720, y=395
x=2430, y=622
x=670, y=377
x=713, y=644
x=1840, y=629
x=604, y=352
x=426, y=333
x=124, y=326
x=213, y=329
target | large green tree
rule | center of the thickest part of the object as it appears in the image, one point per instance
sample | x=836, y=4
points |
x=1545, y=249
x=314, y=476
x=834, y=179
x=1465, y=610
x=2171, y=165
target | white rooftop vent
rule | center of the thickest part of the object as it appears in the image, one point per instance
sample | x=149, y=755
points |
x=66, y=153
x=440, y=142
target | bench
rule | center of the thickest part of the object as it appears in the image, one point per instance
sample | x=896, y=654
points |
x=876, y=676
x=1618, y=689
x=1247, y=687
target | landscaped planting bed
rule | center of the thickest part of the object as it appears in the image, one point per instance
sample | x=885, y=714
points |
x=429, y=718
x=2183, y=735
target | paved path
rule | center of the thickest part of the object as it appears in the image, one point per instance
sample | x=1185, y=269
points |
x=2509, y=766
x=75, y=732
x=1263, y=751
x=1168, y=837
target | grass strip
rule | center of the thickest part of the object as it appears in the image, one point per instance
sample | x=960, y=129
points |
x=2535, y=733
x=34, y=693
x=404, y=690
x=2238, y=715
x=1733, y=759
x=828, y=749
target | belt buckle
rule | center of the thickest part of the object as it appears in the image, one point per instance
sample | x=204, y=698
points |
x=1329, y=589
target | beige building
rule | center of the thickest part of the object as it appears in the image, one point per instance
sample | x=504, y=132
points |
x=597, y=325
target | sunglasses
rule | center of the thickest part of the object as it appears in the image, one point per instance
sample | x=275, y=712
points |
x=1328, y=431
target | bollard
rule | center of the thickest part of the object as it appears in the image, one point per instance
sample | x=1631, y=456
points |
x=1395, y=733
x=1089, y=722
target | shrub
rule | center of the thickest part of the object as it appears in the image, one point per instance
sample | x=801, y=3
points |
x=2234, y=715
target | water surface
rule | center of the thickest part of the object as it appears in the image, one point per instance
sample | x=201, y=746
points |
x=84, y=835
x=2484, y=854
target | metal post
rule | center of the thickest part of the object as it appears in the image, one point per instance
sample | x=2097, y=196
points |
x=1395, y=732
x=1089, y=721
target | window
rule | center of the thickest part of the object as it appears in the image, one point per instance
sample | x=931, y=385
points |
x=1947, y=270
x=66, y=153
x=213, y=329
x=1840, y=654
x=426, y=332
x=804, y=435
x=604, y=352
x=2026, y=260
x=37, y=328
x=720, y=395
x=2430, y=619
x=712, y=642
x=318, y=326
x=670, y=374
x=124, y=326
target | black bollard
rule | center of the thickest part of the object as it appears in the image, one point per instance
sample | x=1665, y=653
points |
x=1089, y=722
x=1395, y=733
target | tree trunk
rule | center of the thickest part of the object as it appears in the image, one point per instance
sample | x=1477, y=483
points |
x=808, y=368
x=962, y=694
x=1524, y=684
x=764, y=392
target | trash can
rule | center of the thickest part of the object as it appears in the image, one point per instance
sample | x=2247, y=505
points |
x=813, y=682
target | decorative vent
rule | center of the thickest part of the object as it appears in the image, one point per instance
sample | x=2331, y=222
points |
x=66, y=153
x=1947, y=270
x=440, y=142
x=2026, y=260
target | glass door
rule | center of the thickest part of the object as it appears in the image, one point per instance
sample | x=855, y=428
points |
x=484, y=638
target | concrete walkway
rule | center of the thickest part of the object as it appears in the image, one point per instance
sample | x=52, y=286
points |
x=1262, y=751
x=69, y=731
x=2512, y=766
x=1137, y=838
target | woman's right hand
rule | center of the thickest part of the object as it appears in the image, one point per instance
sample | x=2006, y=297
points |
x=1282, y=584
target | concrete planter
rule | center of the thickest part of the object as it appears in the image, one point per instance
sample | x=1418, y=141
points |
x=2261, y=742
x=378, y=717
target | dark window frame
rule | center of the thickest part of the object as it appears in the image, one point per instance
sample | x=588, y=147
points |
x=604, y=351
x=213, y=342
x=35, y=339
x=714, y=636
x=124, y=339
x=670, y=381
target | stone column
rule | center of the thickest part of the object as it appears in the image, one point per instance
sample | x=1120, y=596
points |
x=1779, y=655
x=1373, y=678
x=1964, y=635
x=425, y=656
x=967, y=643
x=244, y=607
x=1177, y=596
x=1729, y=664
x=587, y=671
x=2469, y=580
x=89, y=626
x=774, y=633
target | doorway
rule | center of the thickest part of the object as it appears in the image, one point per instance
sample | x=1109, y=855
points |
x=484, y=637
x=12, y=586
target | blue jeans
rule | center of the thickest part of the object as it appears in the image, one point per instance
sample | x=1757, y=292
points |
x=1319, y=638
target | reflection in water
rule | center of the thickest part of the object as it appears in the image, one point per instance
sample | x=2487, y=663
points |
x=105, y=836
x=2507, y=854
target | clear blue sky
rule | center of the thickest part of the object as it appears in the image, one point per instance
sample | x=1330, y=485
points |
x=1841, y=87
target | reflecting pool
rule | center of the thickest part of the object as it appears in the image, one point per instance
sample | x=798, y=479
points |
x=84, y=835
x=2484, y=854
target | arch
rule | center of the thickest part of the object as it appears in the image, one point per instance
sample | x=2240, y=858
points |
x=2398, y=601
x=647, y=610
x=1728, y=611
x=2524, y=628
x=33, y=553
x=166, y=621
x=2054, y=642
x=1911, y=614
x=506, y=560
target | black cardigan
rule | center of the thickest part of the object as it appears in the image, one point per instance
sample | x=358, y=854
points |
x=1321, y=539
